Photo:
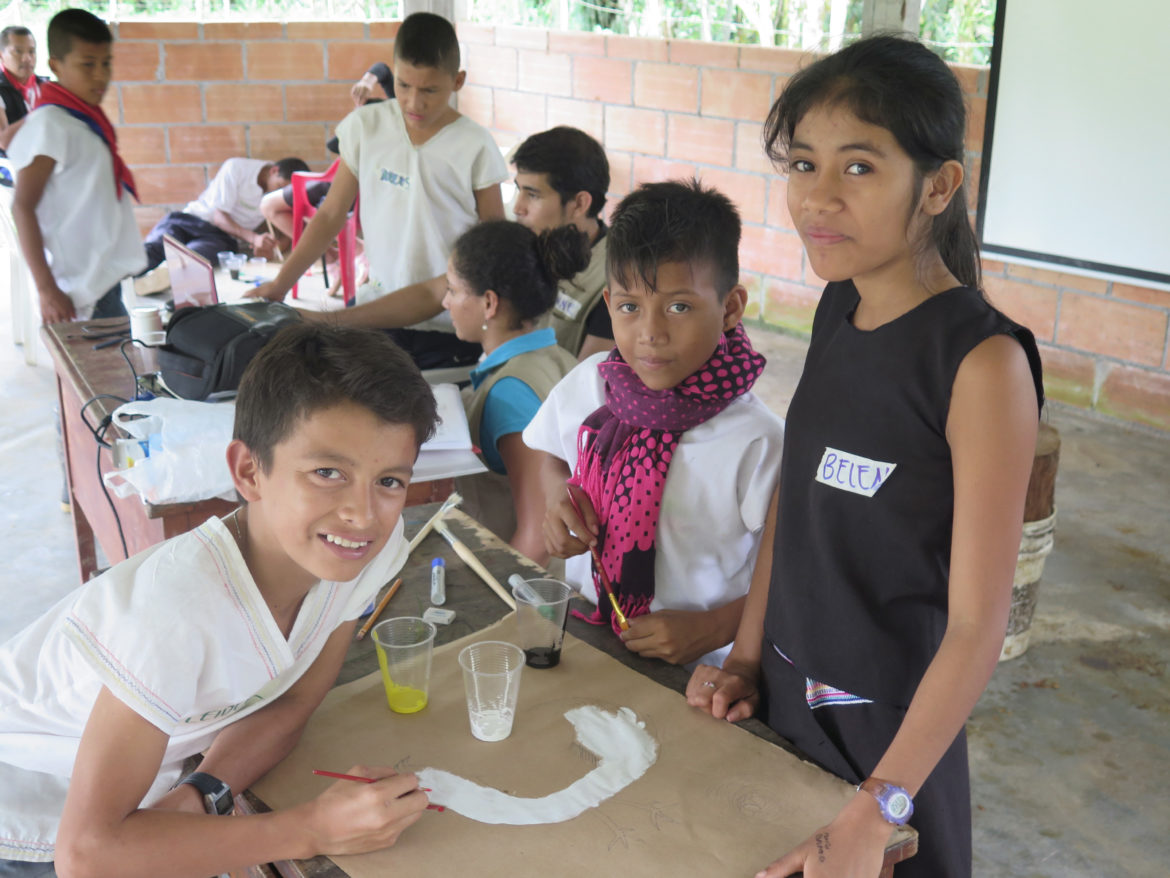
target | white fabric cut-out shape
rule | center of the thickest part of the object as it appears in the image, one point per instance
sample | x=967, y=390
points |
x=624, y=749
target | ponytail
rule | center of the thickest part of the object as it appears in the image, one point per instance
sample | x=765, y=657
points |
x=521, y=267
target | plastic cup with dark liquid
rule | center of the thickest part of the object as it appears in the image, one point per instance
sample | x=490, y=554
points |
x=541, y=611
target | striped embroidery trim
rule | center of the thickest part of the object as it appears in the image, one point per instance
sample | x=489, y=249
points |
x=326, y=602
x=16, y=846
x=248, y=612
x=130, y=685
x=822, y=694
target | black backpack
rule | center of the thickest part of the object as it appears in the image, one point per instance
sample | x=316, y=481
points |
x=208, y=348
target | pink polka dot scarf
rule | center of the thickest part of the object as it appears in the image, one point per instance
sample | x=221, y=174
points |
x=624, y=453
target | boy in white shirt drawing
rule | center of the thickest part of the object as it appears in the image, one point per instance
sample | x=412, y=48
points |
x=223, y=640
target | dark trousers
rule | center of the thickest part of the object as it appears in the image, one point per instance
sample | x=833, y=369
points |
x=20, y=869
x=433, y=349
x=850, y=739
x=200, y=235
x=110, y=304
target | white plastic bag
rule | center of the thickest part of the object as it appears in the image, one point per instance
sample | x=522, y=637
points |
x=188, y=443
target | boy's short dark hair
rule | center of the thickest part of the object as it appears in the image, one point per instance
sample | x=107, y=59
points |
x=674, y=221
x=75, y=24
x=289, y=166
x=573, y=161
x=307, y=367
x=13, y=30
x=428, y=40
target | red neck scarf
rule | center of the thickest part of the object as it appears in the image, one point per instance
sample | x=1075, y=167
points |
x=623, y=455
x=30, y=91
x=53, y=95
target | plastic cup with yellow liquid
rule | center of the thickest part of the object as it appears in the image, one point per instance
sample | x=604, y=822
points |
x=404, y=646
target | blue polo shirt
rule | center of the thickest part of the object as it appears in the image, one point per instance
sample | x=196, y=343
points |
x=511, y=403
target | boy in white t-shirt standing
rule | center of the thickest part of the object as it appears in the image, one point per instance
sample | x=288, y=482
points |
x=672, y=459
x=223, y=640
x=73, y=190
x=425, y=174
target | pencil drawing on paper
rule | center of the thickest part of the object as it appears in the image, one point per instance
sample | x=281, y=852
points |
x=624, y=749
x=754, y=802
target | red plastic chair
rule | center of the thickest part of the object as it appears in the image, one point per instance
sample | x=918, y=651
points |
x=303, y=211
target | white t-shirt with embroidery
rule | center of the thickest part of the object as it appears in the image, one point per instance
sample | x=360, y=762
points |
x=180, y=634
x=414, y=200
x=91, y=236
x=714, y=503
x=235, y=190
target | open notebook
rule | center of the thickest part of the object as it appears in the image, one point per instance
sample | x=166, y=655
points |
x=449, y=452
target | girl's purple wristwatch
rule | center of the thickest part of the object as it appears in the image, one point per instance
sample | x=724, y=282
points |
x=895, y=803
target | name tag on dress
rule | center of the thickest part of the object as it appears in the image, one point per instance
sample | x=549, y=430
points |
x=852, y=472
x=567, y=306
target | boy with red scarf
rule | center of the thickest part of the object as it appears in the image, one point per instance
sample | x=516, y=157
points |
x=20, y=87
x=71, y=184
x=657, y=454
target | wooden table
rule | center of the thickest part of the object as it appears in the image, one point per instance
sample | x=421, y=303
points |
x=476, y=608
x=104, y=376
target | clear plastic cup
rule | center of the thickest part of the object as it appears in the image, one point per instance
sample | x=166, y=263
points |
x=491, y=679
x=233, y=263
x=541, y=611
x=405, y=645
x=224, y=258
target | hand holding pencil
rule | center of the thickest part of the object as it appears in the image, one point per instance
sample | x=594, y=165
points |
x=355, y=818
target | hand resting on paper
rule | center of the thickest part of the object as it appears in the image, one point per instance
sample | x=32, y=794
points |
x=353, y=818
x=565, y=532
x=731, y=692
x=851, y=846
x=681, y=636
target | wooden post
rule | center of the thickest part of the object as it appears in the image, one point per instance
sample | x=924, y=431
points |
x=1041, y=501
x=1036, y=542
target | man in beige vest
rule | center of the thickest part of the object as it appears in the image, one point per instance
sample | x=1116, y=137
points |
x=562, y=176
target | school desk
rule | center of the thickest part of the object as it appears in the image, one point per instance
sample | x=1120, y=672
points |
x=588, y=670
x=84, y=374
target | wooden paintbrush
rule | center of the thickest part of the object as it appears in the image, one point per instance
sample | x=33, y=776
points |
x=617, y=611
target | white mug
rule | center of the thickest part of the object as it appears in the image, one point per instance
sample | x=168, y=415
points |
x=146, y=324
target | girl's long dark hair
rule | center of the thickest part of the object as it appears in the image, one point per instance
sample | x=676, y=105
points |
x=521, y=266
x=900, y=85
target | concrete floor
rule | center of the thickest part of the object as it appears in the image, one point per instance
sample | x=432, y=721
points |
x=1070, y=745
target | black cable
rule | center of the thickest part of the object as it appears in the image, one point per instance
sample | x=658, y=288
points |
x=99, y=433
x=104, y=424
x=126, y=357
x=110, y=500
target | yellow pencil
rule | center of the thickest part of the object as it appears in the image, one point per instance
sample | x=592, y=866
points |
x=365, y=629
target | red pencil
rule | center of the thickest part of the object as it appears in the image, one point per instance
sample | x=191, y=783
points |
x=340, y=776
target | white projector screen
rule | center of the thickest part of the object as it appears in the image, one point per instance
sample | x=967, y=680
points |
x=1076, y=154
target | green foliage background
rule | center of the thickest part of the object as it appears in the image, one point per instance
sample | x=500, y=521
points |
x=959, y=30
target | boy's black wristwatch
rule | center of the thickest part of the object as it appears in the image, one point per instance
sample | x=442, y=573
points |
x=217, y=796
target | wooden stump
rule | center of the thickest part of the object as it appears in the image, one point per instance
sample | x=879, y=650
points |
x=1036, y=542
x=1040, y=502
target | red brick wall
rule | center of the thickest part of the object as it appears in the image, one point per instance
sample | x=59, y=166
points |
x=187, y=96
x=190, y=95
